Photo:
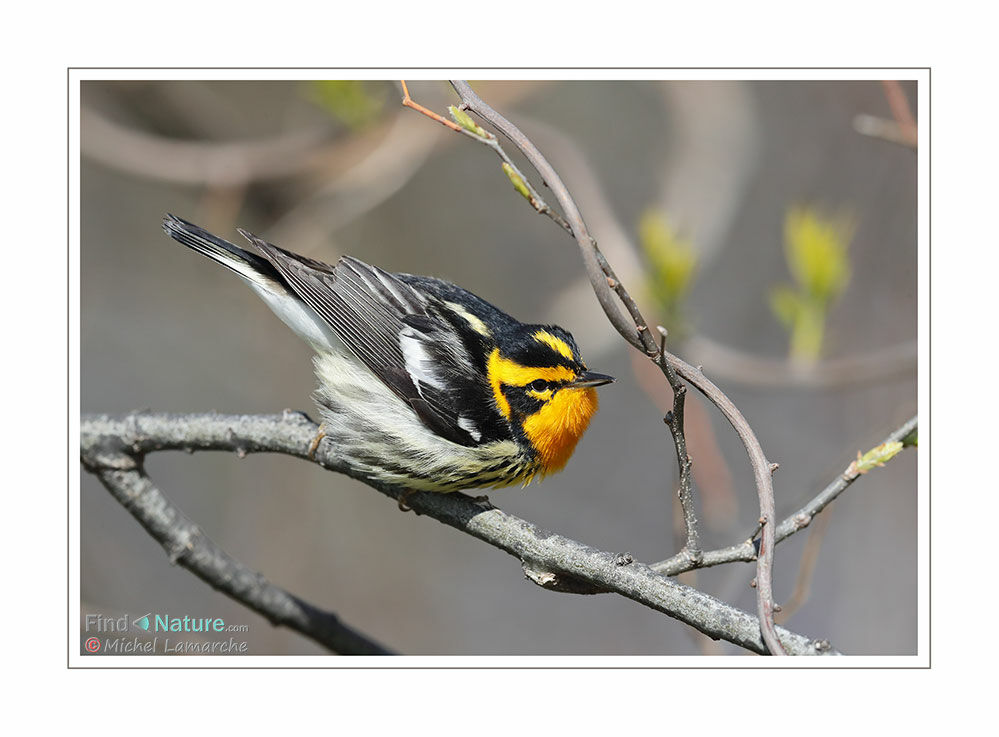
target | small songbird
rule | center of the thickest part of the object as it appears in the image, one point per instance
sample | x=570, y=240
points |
x=422, y=384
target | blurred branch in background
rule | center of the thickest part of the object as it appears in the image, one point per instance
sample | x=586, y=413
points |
x=902, y=129
x=346, y=175
x=114, y=449
x=338, y=177
x=806, y=569
x=204, y=163
x=710, y=163
x=383, y=168
x=752, y=370
x=369, y=171
x=726, y=362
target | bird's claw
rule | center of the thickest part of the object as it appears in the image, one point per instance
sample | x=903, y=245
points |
x=314, y=445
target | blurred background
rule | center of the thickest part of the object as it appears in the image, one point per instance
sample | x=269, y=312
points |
x=770, y=225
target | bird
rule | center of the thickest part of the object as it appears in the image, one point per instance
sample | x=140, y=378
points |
x=422, y=385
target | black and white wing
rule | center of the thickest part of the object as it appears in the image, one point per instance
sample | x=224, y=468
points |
x=395, y=331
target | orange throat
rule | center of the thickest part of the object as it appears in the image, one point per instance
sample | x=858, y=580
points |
x=556, y=428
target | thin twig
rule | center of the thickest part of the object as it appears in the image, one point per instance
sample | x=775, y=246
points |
x=410, y=103
x=636, y=332
x=105, y=439
x=746, y=551
x=488, y=139
x=674, y=420
x=603, y=283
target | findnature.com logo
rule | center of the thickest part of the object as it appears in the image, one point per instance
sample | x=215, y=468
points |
x=118, y=642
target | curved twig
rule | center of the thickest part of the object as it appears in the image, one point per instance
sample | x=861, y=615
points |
x=554, y=560
x=603, y=283
x=636, y=332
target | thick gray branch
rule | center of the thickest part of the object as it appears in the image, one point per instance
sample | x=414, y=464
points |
x=114, y=453
x=551, y=560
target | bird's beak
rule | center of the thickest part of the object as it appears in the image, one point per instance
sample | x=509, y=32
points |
x=590, y=378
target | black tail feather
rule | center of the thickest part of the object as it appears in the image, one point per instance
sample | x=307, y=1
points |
x=217, y=249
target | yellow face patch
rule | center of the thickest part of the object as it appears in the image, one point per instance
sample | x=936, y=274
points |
x=505, y=371
x=493, y=372
x=556, y=344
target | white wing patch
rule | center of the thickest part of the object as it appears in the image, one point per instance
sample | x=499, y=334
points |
x=419, y=365
x=468, y=426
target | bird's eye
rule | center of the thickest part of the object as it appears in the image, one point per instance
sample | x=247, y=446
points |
x=538, y=385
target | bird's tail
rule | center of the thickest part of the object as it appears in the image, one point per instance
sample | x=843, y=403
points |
x=248, y=265
x=263, y=278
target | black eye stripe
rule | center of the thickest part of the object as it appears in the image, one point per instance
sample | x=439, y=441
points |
x=546, y=361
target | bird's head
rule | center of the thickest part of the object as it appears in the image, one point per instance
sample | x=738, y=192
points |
x=543, y=388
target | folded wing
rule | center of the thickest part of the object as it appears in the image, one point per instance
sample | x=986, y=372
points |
x=394, y=329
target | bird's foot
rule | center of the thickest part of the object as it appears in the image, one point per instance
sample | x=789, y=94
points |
x=314, y=445
x=404, y=500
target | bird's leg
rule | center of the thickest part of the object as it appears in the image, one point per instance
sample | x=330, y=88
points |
x=404, y=500
x=314, y=445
